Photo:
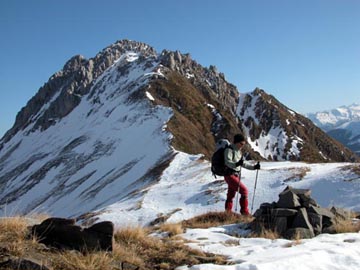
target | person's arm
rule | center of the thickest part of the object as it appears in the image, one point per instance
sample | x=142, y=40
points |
x=229, y=159
x=250, y=166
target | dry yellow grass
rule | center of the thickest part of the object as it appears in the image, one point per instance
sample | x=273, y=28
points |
x=72, y=260
x=124, y=254
x=213, y=219
x=13, y=231
x=172, y=228
x=265, y=233
x=297, y=173
x=155, y=253
x=353, y=168
x=346, y=226
x=133, y=246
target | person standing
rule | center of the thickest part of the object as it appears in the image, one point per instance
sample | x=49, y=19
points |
x=233, y=158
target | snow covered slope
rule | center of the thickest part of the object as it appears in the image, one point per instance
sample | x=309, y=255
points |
x=339, y=251
x=187, y=189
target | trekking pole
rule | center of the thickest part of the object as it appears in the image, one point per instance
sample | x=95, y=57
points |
x=256, y=178
x=238, y=191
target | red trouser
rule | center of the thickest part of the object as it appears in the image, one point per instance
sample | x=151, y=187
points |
x=235, y=185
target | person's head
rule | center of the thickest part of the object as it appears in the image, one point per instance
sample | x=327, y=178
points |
x=239, y=140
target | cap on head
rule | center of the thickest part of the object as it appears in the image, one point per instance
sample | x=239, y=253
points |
x=238, y=138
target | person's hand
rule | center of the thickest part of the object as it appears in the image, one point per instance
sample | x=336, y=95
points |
x=257, y=166
x=239, y=163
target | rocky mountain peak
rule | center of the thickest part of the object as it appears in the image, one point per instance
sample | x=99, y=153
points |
x=63, y=92
x=74, y=63
x=208, y=80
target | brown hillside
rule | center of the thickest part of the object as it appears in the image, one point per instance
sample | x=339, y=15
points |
x=193, y=119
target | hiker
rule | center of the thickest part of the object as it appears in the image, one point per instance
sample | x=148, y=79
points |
x=233, y=162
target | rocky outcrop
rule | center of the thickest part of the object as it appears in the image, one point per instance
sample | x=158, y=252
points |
x=208, y=80
x=64, y=234
x=297, y=215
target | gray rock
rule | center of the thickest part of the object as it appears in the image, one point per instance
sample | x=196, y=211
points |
x=299, y=233
x=288, y=199
x=258, y=213
x=283, y=212
x=321, y=211
x=329, y=229
x=302, y=220
x=280, y=225
x=301, y=192
x=340, y=213
x=307, y=202
x=316, y=222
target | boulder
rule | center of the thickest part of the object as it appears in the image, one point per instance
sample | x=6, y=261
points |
x=288, y=199
x=64, y=234
x=280, y=225
x=316, y=222
x=297, y=215
x=299, y=233
x=321, y=211
x=301, y=220
x=340, y=213
x=283, y=212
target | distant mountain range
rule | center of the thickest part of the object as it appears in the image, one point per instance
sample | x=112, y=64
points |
x=342, y=123
x=103, y=130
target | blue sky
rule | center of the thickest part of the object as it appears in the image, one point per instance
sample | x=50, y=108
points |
x=305, y=53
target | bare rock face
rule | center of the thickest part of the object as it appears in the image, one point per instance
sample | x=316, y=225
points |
x=297, y=215
x=208, y=80
x=64, y=234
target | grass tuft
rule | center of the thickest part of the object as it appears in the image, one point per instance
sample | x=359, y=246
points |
x=72, y=260
x=347, y=226
x=172, y=228
x=13, y=231
x=265, y=233
x=213, y=219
